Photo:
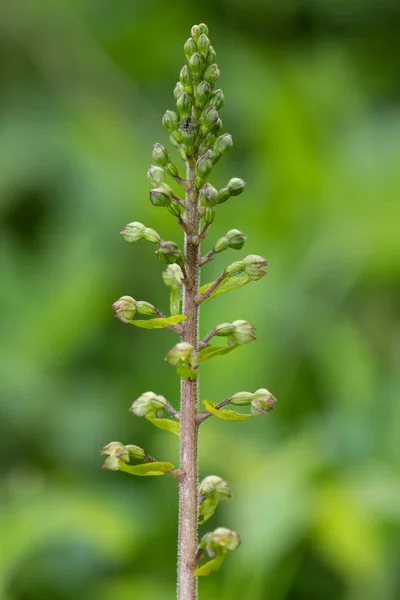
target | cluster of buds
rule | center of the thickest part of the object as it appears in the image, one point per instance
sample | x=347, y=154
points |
x=167, y=252
x=261, y=402
x=238, y=332
x=116, y=451
x=162, y=194
x=252, y=265
x=127, y=307
x=233, y=239
x=133, y=232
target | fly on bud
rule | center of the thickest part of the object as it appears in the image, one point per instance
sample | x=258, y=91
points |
x=125, y=309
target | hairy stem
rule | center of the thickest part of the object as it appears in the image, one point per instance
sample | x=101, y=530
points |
x=188, y=488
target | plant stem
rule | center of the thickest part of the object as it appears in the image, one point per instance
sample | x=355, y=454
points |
x=188, y=487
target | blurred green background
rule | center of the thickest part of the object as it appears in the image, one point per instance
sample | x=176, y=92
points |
x=312, y=90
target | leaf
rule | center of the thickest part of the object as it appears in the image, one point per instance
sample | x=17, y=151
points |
x=212, y=565
x=166, y=425
x=159, y=322
x=225, y=413
x=186, y=372
x=228, y=284
x=211, y=351
x=207, y=509
x=151, y=468
x=175, y=300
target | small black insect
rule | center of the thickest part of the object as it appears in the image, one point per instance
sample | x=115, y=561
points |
x=186, y=123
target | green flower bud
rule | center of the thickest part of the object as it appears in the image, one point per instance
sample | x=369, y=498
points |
x=253, y=266
x=221, y=244
x=215, y=486
x=125, y=309
x=170, y=120
x=224, y=329
x=113, y=448
x=189, y=47
x=168, y=253
x=263, y=401
x=196, y=64
x=195, y=32
x=155, y=175
x=209, y=215
x=202, y=93
x=212, y=74
x=236, y=239
x=241, y=399
x=203, y=28
x=217, y=99
x=133, y=232
x=181, y=352
x=203, y=44
x=223, y=195
x=175, y=208
x=148, y=405
x=185, y=77
x=184, y=104
x=244, y=332
x=234, y=269
x=151, y=235
x=204, y=165
x=220, y=538
x=208, y=195
x=211, y=56
x=222, y=144
x=236, y=186
x=160, y=155
x=210, y=118
x=171, y=169
x=125, y=453
x=160, y=197
x=173, y=276
x=188, y=136
x=178, y=90
x=146, y=309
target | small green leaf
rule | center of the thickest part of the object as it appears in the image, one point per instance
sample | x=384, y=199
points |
x=166, y=425
x=151, y=468
x=225, y=413
x=207, y=508
x=228, y=284
x=211, y=351
x=159, y=322
x=186, y=372
x=175, y=300
x=212, y=565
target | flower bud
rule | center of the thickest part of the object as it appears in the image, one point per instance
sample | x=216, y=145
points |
x=208, y=195
x=203, y=28
x=125, y=309
x=184, y=104
x=189, y=47
x=235, y=268
x=168, y=253
x=181, y=352
x=203, y=44
x=125, y=453
x=212, y=74
x=133, y=232
x=236, y=239
x=204, y=165
x=160, y=155
x=188, y=136
x=171, y=169
x=170, y=120
x=236, y=186
x=210, y=118
x=223, y=195
x=202, y=93
x=217, y=99
x=241, y=399
x=146, y=309
x=209, y=215
x=244, y=332
x=173, y=276
x=196, y=64
x=253, y=266
x=148, y=405
x=221, y=244
x=224, y=329
x=156, y=175
x=160, y=197
x=195, y=32
x=215, y=486
x=218, y=539
x=222, y=144
x=185, y=77
x=151, y=235
x=211, y=56
x=113, y=448
x=175, y=208
x=178, y=90
x=263, y=401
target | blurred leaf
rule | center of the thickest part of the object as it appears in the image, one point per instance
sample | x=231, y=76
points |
x=175, y=300
x=186, y=372
x=212, y=351
x=159, y=323
x=151, y=468
x=166, y=425
x=212, y=565
x=207, y=508
x=225, y=413
x=227, y=285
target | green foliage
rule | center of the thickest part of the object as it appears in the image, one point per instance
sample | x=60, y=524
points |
x=159, y=323
x=225, y=413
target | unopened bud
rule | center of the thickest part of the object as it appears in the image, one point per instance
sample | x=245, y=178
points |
x=146, y=309
x=209, y=215
x=196, y=64
x=203, y=91
x=178, y=90
x=171, y=169
x=170, y=120
x=223, y=195
x=125, y=453
x=148, y=405
x=234, y=269
x=189, y=47
x=263, y=401
x=212, y=74
x=185, y=77
x=151, y=235
x=156, y=175
x=221, y=244
x=181, y=352
x=244, y=332
x=222, y=144
x=253, y=266
x=208, y=195
x=224, y=329
x=195, y=32
x=236, y=239
x=215, y=486
x=173, y=276
x=209, y=120
x=204, y=165
x=160, y=197
x=218, y=539
x=133, y=232
x=203, y=44
x=168, y=253
x=175, y=208
x=241, y=398
x=236, y=186
x=217, y=99
x=211, y=56
x=203, y=28
x=184, y=104
x=160, y=155
x=125, y=309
